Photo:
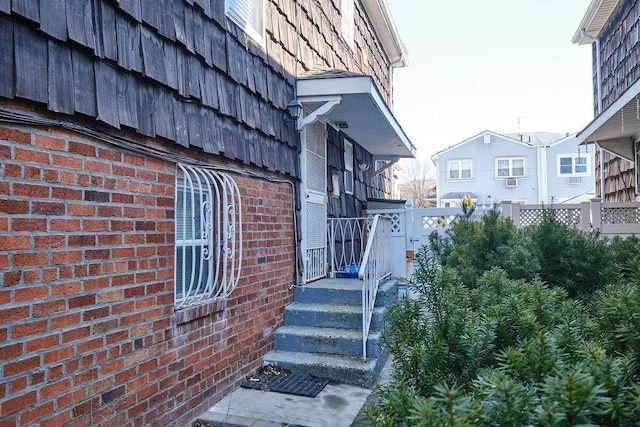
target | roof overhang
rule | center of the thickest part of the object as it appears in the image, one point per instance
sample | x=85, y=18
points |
x=616, y=129
x=594, y=20
x=385, y=28
x=354, y=105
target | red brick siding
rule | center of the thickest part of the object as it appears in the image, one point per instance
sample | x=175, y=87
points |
x=89, y=334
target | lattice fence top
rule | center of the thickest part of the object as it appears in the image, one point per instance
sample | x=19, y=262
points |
x=620, y=215
x=442, y=221
x=396, y=225
x=564, y=216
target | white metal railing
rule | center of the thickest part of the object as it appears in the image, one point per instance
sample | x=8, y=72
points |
x=208, y=245
x=315, y=268
x=374, y=268
x=346, y=245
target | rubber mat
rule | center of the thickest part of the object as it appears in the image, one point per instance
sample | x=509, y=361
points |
x=300, y=385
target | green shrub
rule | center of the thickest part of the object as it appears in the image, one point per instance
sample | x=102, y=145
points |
x=503, y=351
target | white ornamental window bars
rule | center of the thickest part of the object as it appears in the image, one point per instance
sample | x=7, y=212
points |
x=208, y=240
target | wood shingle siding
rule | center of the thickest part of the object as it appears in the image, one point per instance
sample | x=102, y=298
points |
x=171, y=68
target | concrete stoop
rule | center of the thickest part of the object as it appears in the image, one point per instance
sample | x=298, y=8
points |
x=322, y=334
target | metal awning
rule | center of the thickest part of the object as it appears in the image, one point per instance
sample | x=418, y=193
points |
x=351, y=102
x=618, y=126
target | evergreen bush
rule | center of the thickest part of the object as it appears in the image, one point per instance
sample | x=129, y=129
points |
x=513, y=328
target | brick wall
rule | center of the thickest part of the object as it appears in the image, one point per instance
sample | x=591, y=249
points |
x=89, y=334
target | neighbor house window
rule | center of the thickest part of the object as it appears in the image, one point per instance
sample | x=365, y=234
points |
x=208, y=238
x=248, y=14
x=573, y=165
x=348, y=167
x=347, y=8
x=510, y=167
x=460, y=169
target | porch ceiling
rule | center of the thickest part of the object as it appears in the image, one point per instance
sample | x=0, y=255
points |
x=618, y=126
x=361, y=113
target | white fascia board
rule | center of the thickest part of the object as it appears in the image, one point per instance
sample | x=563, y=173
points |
x=336, y=86
x=379, y=102
x=594, y=20
x=607, y=114
x=385, y=28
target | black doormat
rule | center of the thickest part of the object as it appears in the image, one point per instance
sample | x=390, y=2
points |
x=300, y=385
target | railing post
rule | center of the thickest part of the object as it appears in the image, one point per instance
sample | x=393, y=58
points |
x=515, y=214
x=596, y=213
x=585, y=216
x=505, y=207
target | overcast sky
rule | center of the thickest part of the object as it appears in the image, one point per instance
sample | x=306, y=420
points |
x=478, y=65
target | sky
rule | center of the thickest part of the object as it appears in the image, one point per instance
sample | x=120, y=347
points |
x=499, y=65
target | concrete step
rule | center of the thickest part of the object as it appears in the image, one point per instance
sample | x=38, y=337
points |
x=344, y=342
x=348, y=370
x=331, y=316
x=344, y=292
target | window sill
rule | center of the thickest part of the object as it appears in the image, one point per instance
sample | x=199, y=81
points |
x=189, y=314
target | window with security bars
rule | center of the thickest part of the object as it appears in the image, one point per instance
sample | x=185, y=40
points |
x=573, y=165
x=510, y=167
x=460, y=169
x=249, y=15
x=208, y=239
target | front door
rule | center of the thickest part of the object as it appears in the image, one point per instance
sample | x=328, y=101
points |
x=314, y=207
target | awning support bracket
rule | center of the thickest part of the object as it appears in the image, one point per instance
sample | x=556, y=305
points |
x=385, y=167
x=329, y=103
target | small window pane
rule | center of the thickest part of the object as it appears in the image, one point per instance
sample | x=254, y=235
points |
x=503, y=167
x=454, y=172
x=518, y=167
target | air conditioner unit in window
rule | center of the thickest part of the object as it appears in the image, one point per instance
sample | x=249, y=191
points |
x=511, y=182
x=574, y=180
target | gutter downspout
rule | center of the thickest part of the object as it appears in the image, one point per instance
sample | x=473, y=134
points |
x=543, y=192
x=399, y=63
x=599, y=104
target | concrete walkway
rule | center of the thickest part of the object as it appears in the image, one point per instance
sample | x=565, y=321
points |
x=337, y=405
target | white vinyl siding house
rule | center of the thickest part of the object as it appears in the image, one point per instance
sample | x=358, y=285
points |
x=536, y=168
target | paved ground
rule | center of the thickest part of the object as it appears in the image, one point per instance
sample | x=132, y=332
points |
x=338, y=405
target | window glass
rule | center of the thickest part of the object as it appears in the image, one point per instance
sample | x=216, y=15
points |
x=518, y=167
x=466, y=169
x=503, y=167
x=348, y=167
x=249, y=15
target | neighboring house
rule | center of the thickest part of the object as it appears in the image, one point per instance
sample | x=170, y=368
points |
x=611, y=28
x=530, y=168
x=154, y=202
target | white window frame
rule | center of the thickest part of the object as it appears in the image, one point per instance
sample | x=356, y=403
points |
x=458, y=166
x=573, y=157
x=208, y=227
x=348, y=167
x=348, y=27
x=510, y=162
x=249, y=15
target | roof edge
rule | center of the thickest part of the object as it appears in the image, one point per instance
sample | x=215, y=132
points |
x=594, y=20
x=386, y=29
